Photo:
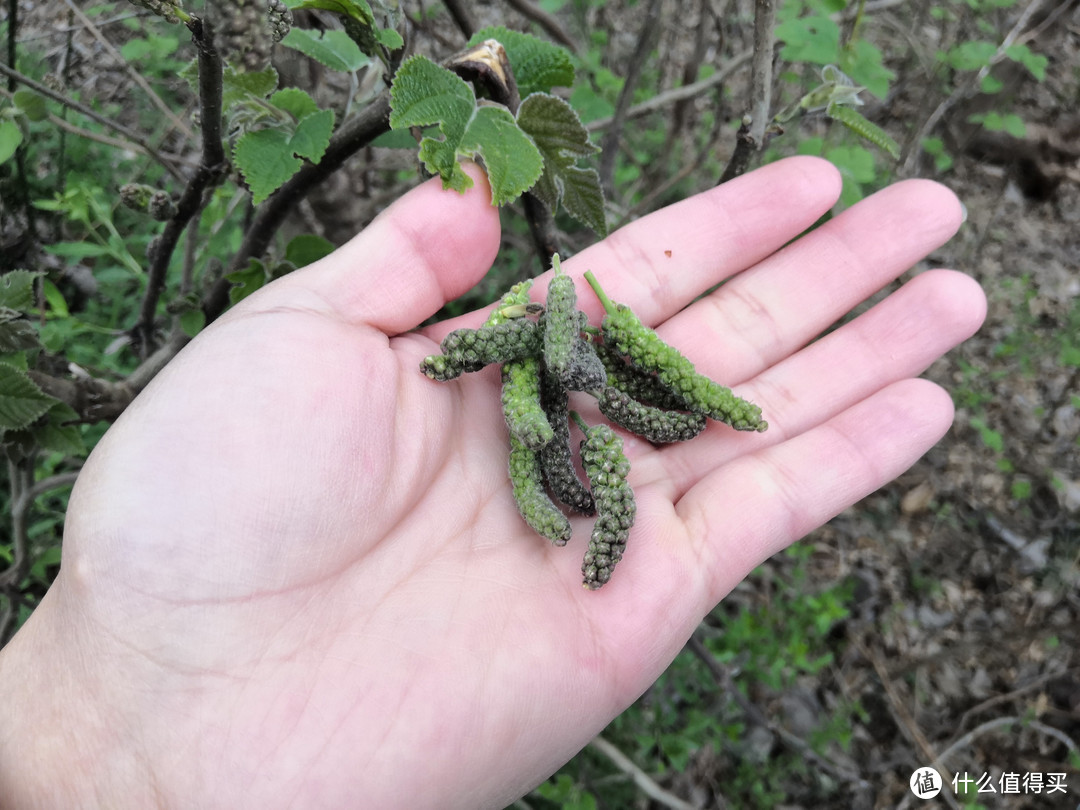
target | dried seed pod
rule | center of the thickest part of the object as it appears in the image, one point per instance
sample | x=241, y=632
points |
x=532, y=501
x=625, y=332
x=524, y=414
x=586, y=372
x=556, y=457
x=607, y=468
x=280, y=19
x=655, y=424
x=465, y=350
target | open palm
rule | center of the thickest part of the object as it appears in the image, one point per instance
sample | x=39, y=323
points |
x=294, y=574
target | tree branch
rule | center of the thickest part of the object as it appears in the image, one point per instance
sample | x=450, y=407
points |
x=545, y=21
x=751, y=135
x=462, y=16
x=133, y=74
x=353, y=136
x=610, y=146
x=676, y=94
x=211, y=165
x=82, y=109
x=644, y=782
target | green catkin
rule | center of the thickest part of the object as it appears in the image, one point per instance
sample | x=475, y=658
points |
x=465, y=350
x=522, y=410
x=561, y=323
x=607, y=468
x=512, y=305
x=637, y=384
x=625, y=332
x=525, y=417
x=533, y=503
x=657, y=425
x=556, y=457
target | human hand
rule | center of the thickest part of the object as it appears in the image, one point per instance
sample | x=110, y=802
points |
x=293, y=572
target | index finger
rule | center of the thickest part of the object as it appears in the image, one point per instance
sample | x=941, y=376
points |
x=663, y=261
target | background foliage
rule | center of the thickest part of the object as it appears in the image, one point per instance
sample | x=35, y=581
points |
x=934, y=622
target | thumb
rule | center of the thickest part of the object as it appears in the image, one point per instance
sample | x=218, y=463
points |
x=427, y=248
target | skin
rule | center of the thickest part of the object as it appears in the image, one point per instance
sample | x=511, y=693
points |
x=293, y=573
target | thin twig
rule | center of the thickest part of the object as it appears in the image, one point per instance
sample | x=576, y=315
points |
x=135, y=76
x=211, y=165
x=462, y=16
x=751, y=135
x=967, y=88
x=644, y=782
x=904, y=721
x=353, y=136
x=990, y=725
x=723, y=680
x=668, y=97
x=98, y=137
x=650, y=30
x=82, y=109
x=545, y=21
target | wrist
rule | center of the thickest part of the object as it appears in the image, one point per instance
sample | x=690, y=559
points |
x=60, y=745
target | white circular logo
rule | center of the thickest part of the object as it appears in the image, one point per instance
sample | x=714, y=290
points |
x=925, y=783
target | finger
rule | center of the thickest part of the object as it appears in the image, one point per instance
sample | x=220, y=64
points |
x=765, y=314
x=755, y=506
x=663, y=261
x=894, y=340
x=428, y=248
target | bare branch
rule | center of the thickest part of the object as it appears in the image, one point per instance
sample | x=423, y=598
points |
x=135, y=76
x=676, y=94
x=751, y=135
x=82, y=109
x=644, y=782
x=967, y=88
x=546, y=21
x=211, y=165
x=1002, y=722
x=650, y=31
x=462, y=16
x=353, y=136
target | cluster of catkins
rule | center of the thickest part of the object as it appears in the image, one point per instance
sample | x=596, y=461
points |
x=245, y=29
x=641, y=384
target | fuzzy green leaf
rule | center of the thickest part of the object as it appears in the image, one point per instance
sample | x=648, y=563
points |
x=21, y=401
x=58, y=434
x=306, y=248
x=16, y=333
x=537, y=65
x=1034, y=62
x=334, y=48
x=313, y=135
x=562, y=139
x=295, y=102
x=246, y=281
x=389, y=39
x=31, y=104
x=424, y=94
x=347, y=8
x=266, y=160
x=512, y=160
x=10, y=138
x=238, y=86
x=17, y=289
